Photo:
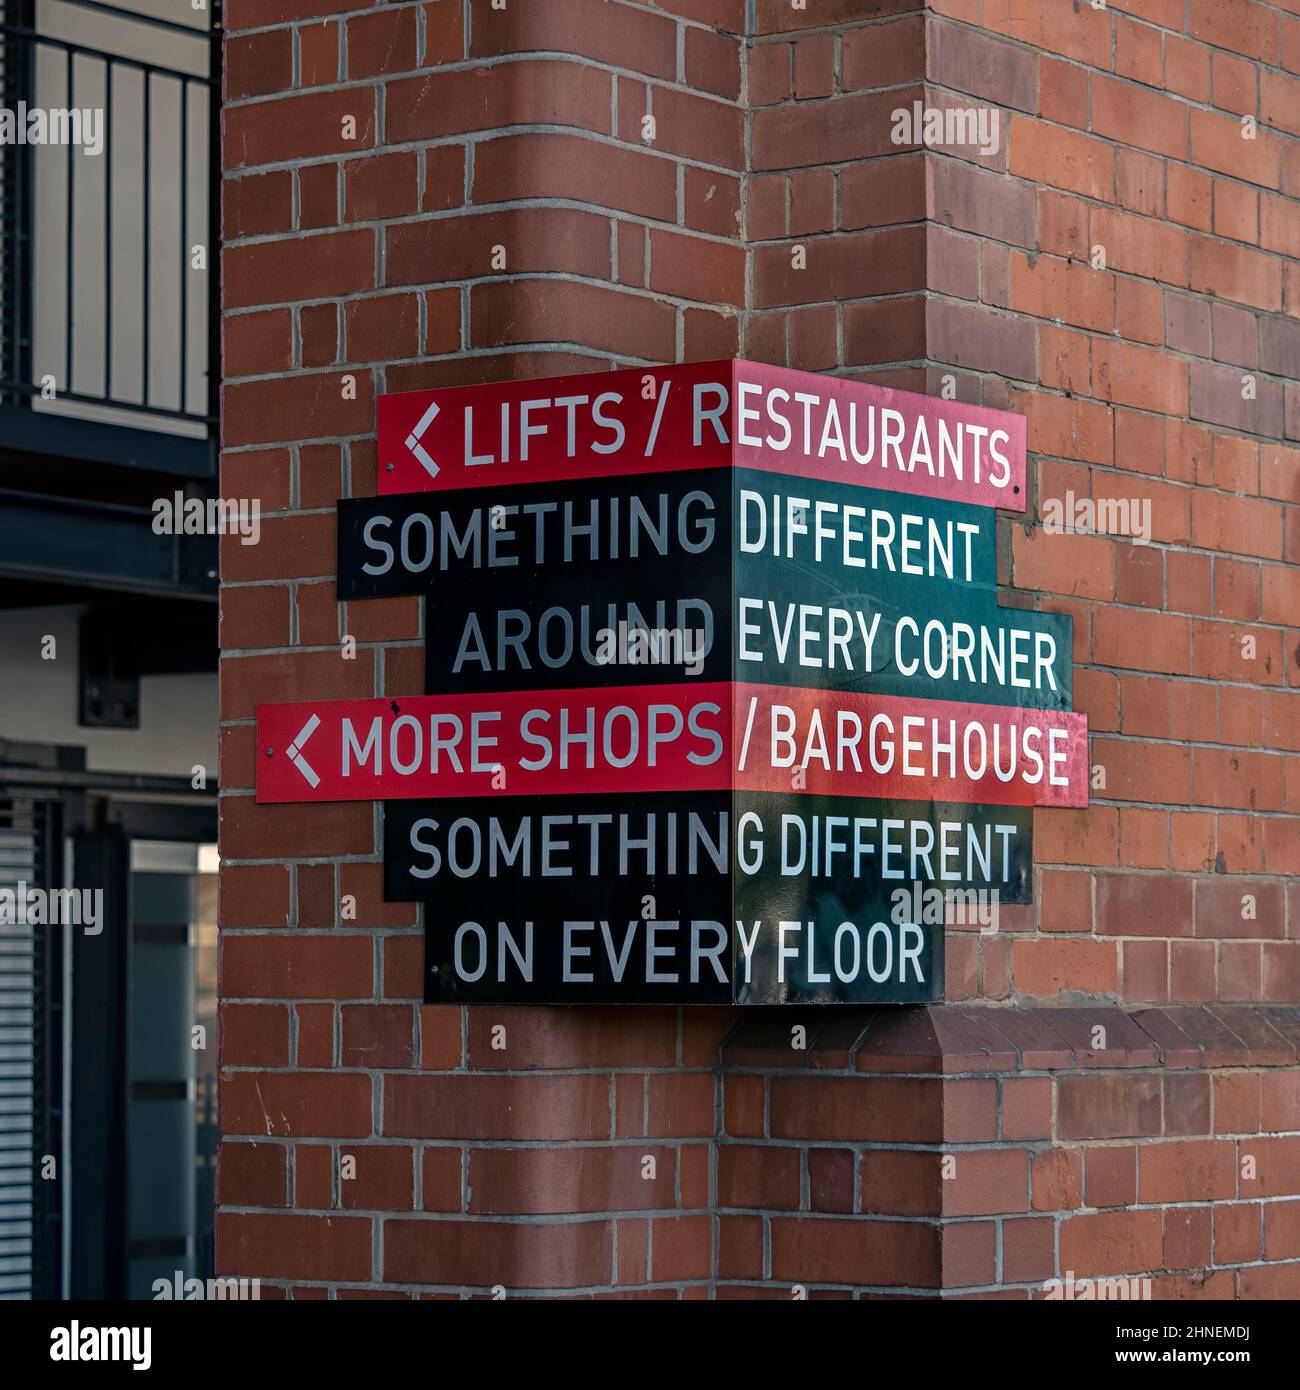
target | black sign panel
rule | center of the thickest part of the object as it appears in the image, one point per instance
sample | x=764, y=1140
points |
x=486, y=544
x=723, y=574
x=698, y=897
x=863, y=619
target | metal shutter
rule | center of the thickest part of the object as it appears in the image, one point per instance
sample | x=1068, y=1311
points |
x=29, y=1057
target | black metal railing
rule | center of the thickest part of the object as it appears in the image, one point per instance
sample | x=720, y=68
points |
x=109, y=311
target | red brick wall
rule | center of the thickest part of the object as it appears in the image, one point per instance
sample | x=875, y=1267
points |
x=365, y=264
x=1008, y=1147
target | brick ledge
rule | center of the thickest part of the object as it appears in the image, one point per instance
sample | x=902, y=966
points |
x=956, y=1038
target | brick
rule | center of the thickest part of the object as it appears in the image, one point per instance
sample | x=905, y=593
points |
x=553, y=1181
x=1187, y=1238
x=830, y=1251
x=1187, y=1103
x=254, y=1035
x=1110, y=1176
x=852, y=1109
x=1218, y=144
x=713, y=63
x=318, y=54
x=313, y=267
x=830, y=1179
x=1101, y=1243
x=1108, y=1106
x=1236, y=211
x=1138, y=50
x=1192, y=971
x=625, y=37
x=1060, y=158
x=1137, y=311
x=696, y=127
x=1187, y=68
x=1189, y=194
x=1062, y=92
x=284, y=1246
x=692, y=268
x=1123, y=111
x=1057, y=1176
x=253, y=895
x=252, y=1175
x=385, y=185
x=882, y=54
x=852, y=127
x=969, y=1111
x=974, y=62
x=680, y=1105
x=769, y=73
x=1041, y=968
x=295, y=1104
x=1241, y=26
x=475, y=1253
x=535, y=239
x=523, y=311
x=765, y=1176
x=1187, y=324
x=383, y=1178
x=1028, y=1250
x=1140, y=183
x=380, y=1035
x=496, y=1107
x=298, y=967
x=1068, y=428
x=299, y=127
x=1236, y=524
x=1238, y=1234
x=553, y=92
x=1081, y=565
x=1051, y=288
x=1195, y=1170
x=257, y=205
x=969, y=335
x=1144, y=904
x=986, y=1181
x=381, y=44
x=884, y=331
x=258, y=63
x=848, y=267
x=1235, y=84
x=1236, y=272
x=1130, y=375
x=682, y=1248
x=569, y=166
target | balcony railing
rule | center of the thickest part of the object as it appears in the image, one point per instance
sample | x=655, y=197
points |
x=108, y=246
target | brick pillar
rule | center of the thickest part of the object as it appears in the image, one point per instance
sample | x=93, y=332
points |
x=496, y=214
x=429, y=194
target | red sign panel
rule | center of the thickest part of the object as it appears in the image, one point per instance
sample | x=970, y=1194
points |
x=705, y=737
x=700, y=415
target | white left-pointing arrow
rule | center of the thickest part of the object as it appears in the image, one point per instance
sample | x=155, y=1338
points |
x=295, y=750
x=413, y=440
